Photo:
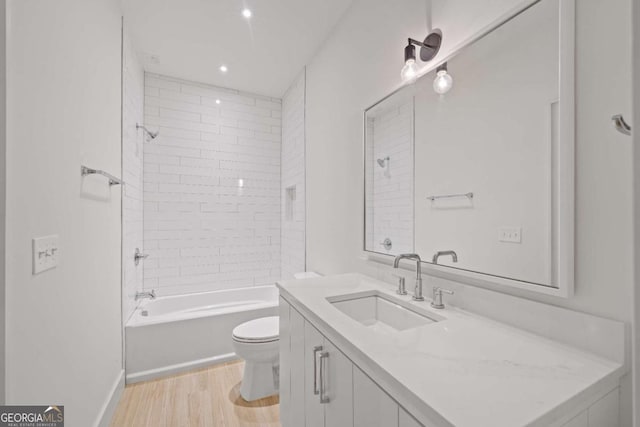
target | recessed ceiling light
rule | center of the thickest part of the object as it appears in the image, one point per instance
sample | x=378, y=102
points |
x=223, y=68
x=246, y=13
x=218, y=101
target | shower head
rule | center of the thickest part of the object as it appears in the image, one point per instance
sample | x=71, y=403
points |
x=383, y=162
x=150, y=135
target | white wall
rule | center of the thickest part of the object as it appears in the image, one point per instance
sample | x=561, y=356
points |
x=635, y=141
x=132, y=161
x=293, y=258
x=63, y=332
x=211, y=187
x=3, y=173
x=360, y=63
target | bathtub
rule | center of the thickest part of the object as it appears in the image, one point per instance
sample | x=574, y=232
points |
x=173, y=334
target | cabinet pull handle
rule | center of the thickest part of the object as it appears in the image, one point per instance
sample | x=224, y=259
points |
x=316, y=349
x=323, y=398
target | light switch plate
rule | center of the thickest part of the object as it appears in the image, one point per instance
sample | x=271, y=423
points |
x=510, y=234
x=45, y=253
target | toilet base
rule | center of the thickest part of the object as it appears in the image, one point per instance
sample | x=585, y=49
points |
x=260, y=380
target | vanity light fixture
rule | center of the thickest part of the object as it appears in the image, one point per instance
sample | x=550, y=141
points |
x=443, y=81
x=410, y=69
x=428, y=50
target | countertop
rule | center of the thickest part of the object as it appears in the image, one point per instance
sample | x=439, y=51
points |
x=465, y=370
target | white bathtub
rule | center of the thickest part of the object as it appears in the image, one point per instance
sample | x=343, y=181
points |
x=178, y=333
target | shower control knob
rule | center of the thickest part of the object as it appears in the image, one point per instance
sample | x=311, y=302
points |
x=138, y=256
x=387, y=244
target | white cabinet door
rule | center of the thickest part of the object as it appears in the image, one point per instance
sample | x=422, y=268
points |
x=338, y=388
x=605, y=412
x=297, y=369
x=582, y=420
x=406, y=420
x=285, y=365
x=313, y=345
x=372, y=407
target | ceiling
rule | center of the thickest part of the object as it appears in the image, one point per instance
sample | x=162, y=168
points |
x=190, y=39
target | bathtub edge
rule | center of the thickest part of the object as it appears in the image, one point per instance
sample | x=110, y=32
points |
x=178, y=368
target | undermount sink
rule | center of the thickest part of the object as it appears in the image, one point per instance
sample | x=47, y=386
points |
x=381, y=312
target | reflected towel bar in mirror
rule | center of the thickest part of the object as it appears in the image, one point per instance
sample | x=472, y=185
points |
x=84, y=171
x=449, y=196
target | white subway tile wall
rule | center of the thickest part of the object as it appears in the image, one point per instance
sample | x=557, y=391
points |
x=132, y=160
x=212, y=188
x=293, y=178
x=390, y=188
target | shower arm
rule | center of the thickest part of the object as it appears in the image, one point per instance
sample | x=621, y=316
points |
x=150, y=134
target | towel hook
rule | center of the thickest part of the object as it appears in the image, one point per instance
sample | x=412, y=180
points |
x=621, y=125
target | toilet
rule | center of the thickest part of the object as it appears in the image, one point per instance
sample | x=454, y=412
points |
x=257, y=342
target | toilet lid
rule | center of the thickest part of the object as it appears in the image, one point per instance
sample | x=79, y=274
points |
x=258, y=330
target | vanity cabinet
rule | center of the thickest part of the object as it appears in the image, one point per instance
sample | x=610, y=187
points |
x=372, y=407
x=337, y=389
x=313, y=345
x=328, y=387
x=321, y=387
x=285, y=364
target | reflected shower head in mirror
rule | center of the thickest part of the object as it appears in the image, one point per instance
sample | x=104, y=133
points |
x=383, y=162
x=150, y=135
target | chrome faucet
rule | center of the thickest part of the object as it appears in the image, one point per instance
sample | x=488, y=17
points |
x=150, y=295
x=417, y=296
x=445, y=253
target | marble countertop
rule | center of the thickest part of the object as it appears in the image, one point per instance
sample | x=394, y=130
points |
x=465, y=370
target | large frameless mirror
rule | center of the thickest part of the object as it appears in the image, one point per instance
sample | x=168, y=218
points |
x=486, y=169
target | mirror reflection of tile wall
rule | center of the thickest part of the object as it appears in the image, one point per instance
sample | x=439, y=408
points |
x=390, y=179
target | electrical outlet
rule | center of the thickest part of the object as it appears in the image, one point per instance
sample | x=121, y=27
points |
x=45, y=253
x=510, y=234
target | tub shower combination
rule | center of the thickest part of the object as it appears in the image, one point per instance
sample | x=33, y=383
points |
x=173, y=334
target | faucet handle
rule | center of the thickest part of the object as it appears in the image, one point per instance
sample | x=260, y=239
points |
x=402, y=289
x=138, y=256
x=437, y=297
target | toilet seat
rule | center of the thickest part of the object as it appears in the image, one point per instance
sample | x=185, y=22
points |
x=263, y=330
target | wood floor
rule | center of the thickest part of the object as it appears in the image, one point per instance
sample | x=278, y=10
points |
x=204, y=398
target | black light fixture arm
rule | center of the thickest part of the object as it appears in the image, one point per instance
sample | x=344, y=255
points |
x=421, y=44
x=428, y=48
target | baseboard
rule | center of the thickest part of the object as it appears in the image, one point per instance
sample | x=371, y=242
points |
x=110, y=405
x=164, y=371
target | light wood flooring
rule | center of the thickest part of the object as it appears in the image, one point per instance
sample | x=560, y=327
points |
x=204, y=398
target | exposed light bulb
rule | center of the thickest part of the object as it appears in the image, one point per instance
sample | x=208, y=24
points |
x=218, y=101
x=246, y=13
x=443, y=82
x=409, y=71
x=223, y=68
